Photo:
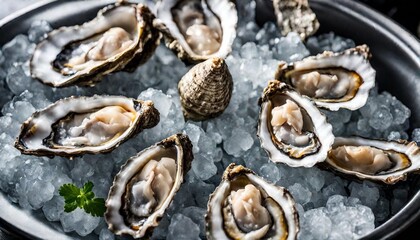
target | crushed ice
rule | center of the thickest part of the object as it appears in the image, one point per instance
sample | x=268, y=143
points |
x=330, y=207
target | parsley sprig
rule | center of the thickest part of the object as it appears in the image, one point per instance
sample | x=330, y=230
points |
x=83, y=198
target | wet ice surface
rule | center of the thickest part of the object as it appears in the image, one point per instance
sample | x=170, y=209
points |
x=330, y=207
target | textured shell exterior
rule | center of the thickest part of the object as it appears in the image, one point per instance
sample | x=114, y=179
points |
x=145, y=39
x=35, y=131
x=225, y=11
x=114, y=217
x=354, y=59
x=214, y=219
x=295, y=16
x=206, y=89
x=322, y=129
x=410, y=149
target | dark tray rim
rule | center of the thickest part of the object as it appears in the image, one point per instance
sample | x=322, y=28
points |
x=395, y=225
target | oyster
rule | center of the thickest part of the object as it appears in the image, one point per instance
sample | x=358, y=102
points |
x=376, y=160
x=295, y=16
x=121, y=36
x=291, y=128
x=244, y=206
x=79, y=125
x=332, y=80
x=146, y=185
x=205, y=90
x=197, y=30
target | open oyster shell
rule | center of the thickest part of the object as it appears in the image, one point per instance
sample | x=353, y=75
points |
x=196, y=30
x=244, y=206
x=146, y=185
x=205, y=90
x=121, y=36
x=291, y=128
x=295, y=16
x=332, y=80
x=78, y=125
x=376, y=160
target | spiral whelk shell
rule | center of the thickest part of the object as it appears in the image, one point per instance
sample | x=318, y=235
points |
x=206, y=89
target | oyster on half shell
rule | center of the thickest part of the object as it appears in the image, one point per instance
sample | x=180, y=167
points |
x=291, y=128
x=120, y=37
x=245, y=206
x=78, y=125
x=332, y=80
x=197, y=30
x=376, y=160
x=145, y=186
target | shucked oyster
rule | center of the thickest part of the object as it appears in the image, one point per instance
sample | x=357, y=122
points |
x=79, y=125
x=197, y=30
x=332, y=80
x=295, y=16
x=146, y=185
x=291, y=128
x=205, y=90
x=244, y=206
x=376, y=160
x=121, y=36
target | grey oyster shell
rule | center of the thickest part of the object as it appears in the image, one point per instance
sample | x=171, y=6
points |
x=295, y=16
x=276, y=215
x=78, y=125
x=196, y=30
x=284, y=143
x=206, y=89
x=373, y=159
x=81, y=54
x=122, y=214
x=332, y=80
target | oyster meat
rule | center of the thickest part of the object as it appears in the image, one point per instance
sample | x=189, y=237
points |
x=197, y=30
x=332, y=80
x=121, y=36
x=291, y=128
x=78, y=125
x=244, y=206
x=205, y=90
x=376, y=160
x=146, y=185
x=295, y=16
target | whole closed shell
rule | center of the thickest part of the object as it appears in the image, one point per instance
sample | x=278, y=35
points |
x=206, y=89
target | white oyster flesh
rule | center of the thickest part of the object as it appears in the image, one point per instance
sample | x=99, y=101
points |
x=112, y=42
x=362, y=159
x=153, y=187
x=93, y=129
x=249, y=214
x=200, y=27
x=323, y=85
x=287, y=123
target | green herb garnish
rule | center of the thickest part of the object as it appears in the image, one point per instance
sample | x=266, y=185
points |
x=83, y=198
